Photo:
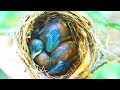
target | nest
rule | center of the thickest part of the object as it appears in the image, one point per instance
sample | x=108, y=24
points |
x=90, y=54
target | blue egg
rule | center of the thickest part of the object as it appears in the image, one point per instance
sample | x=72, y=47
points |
x=61, y=68
x=64, y=52
x=58, y=54
x=36, y=47
x=51, y=37
x=43, y=59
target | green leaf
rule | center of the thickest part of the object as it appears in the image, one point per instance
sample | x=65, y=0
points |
x=10, y=19
x=108, y=71
x=114, y=25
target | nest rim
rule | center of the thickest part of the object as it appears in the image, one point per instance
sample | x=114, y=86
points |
x=29, y=25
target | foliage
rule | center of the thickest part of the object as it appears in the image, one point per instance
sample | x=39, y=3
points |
x=10, y=19
x=108, y=71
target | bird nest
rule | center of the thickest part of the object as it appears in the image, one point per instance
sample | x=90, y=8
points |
x=84, y=36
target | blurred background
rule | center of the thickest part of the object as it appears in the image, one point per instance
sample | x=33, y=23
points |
x=107, y=24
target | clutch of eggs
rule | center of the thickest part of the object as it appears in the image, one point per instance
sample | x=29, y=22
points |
x=52, y=47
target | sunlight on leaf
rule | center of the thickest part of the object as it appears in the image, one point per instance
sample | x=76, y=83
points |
x=108, y=71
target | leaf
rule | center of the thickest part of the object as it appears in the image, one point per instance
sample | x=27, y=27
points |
x=108, y=71
x=10, y=19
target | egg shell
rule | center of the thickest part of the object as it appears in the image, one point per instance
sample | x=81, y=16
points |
x=61, y=68
x=43, y=59
x=51, y=37
x=64, y=52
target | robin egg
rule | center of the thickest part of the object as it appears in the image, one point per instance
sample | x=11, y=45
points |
x=36, y=47
x=64, y=52
x=51, y=37
x=43, y=59
x=53, y=33
x=61, y=68
x=64, y=30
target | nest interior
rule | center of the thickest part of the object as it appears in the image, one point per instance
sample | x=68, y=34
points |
x=83, y=35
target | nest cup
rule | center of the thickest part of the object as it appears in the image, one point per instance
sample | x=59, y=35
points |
x=83, y=34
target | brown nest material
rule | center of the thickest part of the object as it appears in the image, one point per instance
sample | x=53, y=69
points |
x=90, y=55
